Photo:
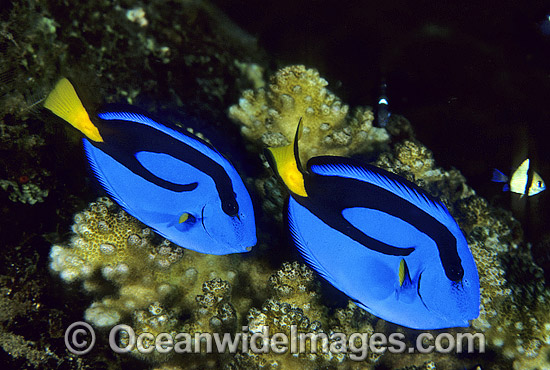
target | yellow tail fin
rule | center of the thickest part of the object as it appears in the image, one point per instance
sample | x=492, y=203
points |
x=286, y=165
x=64, y=103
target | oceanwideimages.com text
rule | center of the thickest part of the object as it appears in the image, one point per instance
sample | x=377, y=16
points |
x=80, y=339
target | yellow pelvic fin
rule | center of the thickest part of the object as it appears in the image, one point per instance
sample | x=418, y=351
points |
x=184, y=217
x=65, y=103
x=402, y=272
x=286, y=165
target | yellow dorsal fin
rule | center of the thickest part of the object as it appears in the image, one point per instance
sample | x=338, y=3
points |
x=64, y=103
x=287, y=167
x=402, y=272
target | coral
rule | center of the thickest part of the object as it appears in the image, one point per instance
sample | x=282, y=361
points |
x=253, y=72
x=514, y=312
x=118, y=61
x=25, y=193
x=280, y=317
x=103, y=241
x=11, y=308
x=295, y=308
x=482, y=229
x=212, y=313
x=17, y=346
x=216, y=313
x=28, y=324
x=414, y=162
x=155, y=320
x=295, y=284
x=520, y=327
x=156, y=282
x=116, y=41
x=273, y=196
x=269, y=115
x=352, y=319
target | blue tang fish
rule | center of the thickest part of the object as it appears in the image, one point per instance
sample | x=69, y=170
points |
x=386, y=243
x=172, y=181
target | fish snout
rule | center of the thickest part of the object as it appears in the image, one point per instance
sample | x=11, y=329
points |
x=231, y=234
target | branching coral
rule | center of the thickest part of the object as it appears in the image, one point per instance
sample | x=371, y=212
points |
x=216, y=313
x=296, y=284
x=155, y=282
x=271, y=114
x=295, y=309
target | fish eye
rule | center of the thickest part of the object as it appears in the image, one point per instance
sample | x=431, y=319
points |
x=230, y=208
x=539, y=183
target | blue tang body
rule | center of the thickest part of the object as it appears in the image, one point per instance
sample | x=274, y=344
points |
x=173, y=182
x=386, y=243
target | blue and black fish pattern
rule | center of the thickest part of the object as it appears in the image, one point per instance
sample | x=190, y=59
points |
x=386, y=243
x=173, y=182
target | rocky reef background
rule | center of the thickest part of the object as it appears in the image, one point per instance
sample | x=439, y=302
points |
x=472, y=81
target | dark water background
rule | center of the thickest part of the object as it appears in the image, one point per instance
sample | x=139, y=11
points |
x=472, y=77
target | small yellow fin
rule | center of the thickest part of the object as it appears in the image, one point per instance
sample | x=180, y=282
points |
x=65, y=103
x=184, y=217
x=402, y=272
x=287, y=169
